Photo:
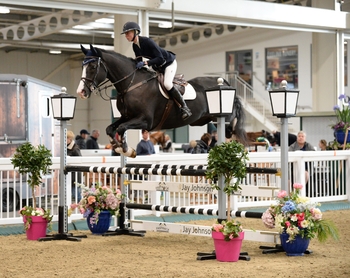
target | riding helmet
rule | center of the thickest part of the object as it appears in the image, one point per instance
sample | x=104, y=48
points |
x=131, y=26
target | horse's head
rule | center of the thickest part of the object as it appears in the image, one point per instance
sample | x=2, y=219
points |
x=269, y=136
x=94, y=72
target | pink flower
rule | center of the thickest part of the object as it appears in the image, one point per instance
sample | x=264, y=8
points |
x=297, y=186
x=282, y=194
x=287, y=224
x=217, y=227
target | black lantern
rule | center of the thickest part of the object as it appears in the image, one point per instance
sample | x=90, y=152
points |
x=220, y=99
x=115, y=112
x=284, y=101
x=63, y=106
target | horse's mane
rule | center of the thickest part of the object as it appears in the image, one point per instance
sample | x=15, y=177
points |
x=115, y=54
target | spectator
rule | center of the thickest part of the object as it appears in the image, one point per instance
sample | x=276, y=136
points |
x=203, y=144
x=302, y=145
x=73, y=150
x=145, y=146
x=214, y=138
x=80, y=139
x=167, y=148
x=91, y=143
x=323, y=145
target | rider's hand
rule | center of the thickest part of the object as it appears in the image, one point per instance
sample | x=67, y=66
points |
x=139, y=65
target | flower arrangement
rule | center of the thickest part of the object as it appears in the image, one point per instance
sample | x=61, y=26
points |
x=297, y=215
x=97, y=199
x=343, y=114
x=230, y=229
x=28, y=212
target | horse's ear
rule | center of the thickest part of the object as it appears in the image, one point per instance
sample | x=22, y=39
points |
x=83, y=49
x=93, y=51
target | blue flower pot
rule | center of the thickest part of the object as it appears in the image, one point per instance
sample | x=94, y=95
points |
x=340, y=136
x=103, y=223
x=297, y=247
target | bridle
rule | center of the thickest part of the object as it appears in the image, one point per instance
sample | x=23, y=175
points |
x=95, y=86
x=92, y=81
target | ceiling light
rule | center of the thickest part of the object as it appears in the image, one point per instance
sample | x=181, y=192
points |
x=83, y=27
x=105, y=20
x=165, y=24
x=4, y=10
x=55, y=51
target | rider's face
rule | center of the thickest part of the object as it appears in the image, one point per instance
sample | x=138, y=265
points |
x=129, y=35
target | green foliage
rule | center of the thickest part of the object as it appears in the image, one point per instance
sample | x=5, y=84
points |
x=34, y=161
x=325, y=229
x=227, y=159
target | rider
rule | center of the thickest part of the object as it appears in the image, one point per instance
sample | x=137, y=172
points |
x=159, y=59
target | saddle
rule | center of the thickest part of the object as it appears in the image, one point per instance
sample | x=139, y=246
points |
x=178, y=81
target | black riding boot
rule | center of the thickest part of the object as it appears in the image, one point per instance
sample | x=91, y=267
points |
x=175, y=94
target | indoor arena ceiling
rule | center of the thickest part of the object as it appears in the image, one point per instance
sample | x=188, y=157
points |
x=44, y=25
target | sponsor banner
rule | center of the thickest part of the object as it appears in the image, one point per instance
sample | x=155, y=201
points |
x=185, y=187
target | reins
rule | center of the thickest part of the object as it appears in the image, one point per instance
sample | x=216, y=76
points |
x=99, y=87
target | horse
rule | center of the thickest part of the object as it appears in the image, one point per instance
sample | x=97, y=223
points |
x=157, y=138
x=140, y=101
x=276, y=137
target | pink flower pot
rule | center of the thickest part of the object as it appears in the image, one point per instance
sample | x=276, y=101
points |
x=227, y=251
x=37, y=228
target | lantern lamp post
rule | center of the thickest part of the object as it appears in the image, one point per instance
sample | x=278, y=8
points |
x=284, y=105
x=220, y=101
x=63, y=108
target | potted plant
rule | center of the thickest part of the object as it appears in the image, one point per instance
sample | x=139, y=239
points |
x=98, y=204
x=343, y=120
x=298, y=220
x=34, y=161
x=227, y=160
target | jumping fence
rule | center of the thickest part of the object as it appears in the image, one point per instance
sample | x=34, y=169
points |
x=327, y=179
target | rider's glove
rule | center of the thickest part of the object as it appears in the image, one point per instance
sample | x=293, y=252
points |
x=139, y=65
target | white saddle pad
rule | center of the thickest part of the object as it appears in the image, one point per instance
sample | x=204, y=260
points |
x=190, y=93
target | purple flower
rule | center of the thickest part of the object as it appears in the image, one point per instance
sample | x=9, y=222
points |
x=336, y=107
x=342, y=96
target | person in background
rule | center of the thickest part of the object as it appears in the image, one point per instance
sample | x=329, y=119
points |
x=91, y=143
x=214, y=138
x=80, y=140
x=73, y=150
x=203, y=144
x=160, y=60
x=323, y=145
x=302, y=145
x=167, y=148
x=145, y=146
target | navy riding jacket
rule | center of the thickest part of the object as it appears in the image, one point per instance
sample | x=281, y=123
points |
x=159, y=58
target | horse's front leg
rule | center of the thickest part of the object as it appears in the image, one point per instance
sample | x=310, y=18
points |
x=118, y=142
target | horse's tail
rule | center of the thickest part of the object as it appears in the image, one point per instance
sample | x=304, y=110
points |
x=237, y=128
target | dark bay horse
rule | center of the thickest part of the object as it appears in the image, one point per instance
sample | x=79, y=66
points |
x=157, y=138
x=140, y=102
